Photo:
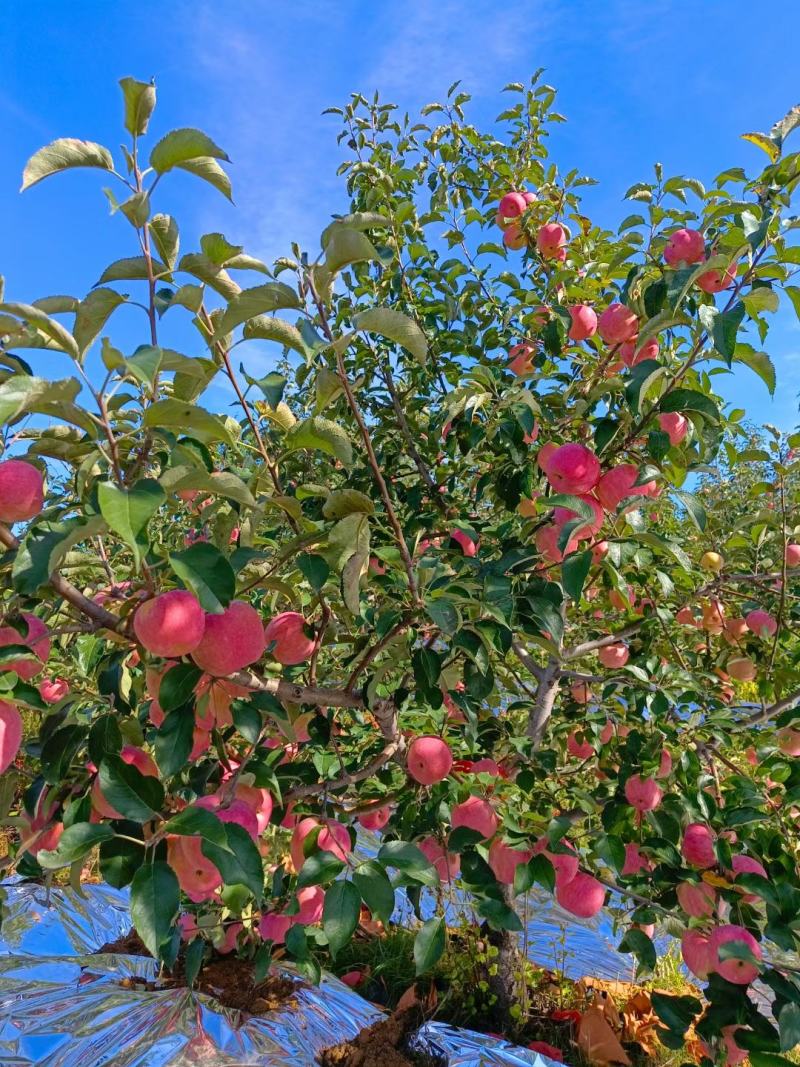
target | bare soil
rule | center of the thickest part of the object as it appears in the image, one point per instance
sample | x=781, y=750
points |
x=379, y=1045
x=227, y=979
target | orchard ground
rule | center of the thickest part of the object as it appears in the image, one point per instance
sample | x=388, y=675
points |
x=484, y=565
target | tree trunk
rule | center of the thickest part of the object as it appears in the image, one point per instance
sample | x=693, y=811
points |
x=506, y=983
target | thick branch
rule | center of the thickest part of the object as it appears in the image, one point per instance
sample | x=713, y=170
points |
x=602, y=642
x=542, y=709
x=773, y=710
x=297, y=694
x=345, y=780
x=526, y=659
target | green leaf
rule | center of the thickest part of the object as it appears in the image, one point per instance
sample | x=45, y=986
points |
x=145, y=364
x=327, y=388
x=63, y=154
x=177, y=686
x=219, y=483
x=574, y=571
x=198, y=822
x=406, y=857
x=443, y=614
x=140, y=100
x=677, y=1013
x=59, y=750
x=763, y=298
x=164, y=232
x=346, y=246
x=498, y=915
x=45, y=546
x=724, y=330
x=105, y=738
x=269, y=328
x=75, y=842
x=155, y=900
x=789, y=1025
x=690, y=400
x=132, y=268
x=119, y=861
x=207, y=168
x=240, y=863
x=207, y=573
x=375, y=888
x=134, y=795
x=23, y=394
x=128, y=512
x=769, y=1059
x=319, y=868
x=696, y=511
x=397, y=327
x=429, y=945
x=314, y=569
x=93, y=313
x=251, y=303
x=271, y=385
x=637, y=942
x=179, y=147
x=218, y=248
x=56, y=335
x=340, y=914
x=344, y=502
x=189, y=418
x=358, y=220
x=322, y=434
x=174, y=740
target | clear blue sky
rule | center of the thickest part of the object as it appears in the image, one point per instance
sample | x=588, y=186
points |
x=670, y=80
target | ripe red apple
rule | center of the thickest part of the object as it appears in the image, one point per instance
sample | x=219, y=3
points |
x=573, y=468
x=546, y=539
x=514, y=237
x=274, y=927
x=429, y=760
x=582, y=895
x=697, y=846
x=616, y=655
x=761, y=623
x=333, y=837
x=697, y=899
x=311, y=901
x=579, y=749
x=789, y=741
x=643, y=794
x=21, y=491
x=620, y=482
x=738, y=971
x=565, y=864
x=447, y=864
x=617, y=324
x=698, y=954
x=10, y=734
x=675, y=425
x=588, y=529
x=286, y=634
x=550, y=240
x=477, y=814
x=520, y=358
x=468, y=546
x=584, y=322
x=512, y=205
x=714, y=280
x=741, y=668
x=51, y=690
x=504, y=860
x=376, y=819
x=685, y=246
x=631, y=355
x=197, y=876
x=171, y=624
x=792, y=555
x=36, y=640
x=231, y=641
x=635, y=860
x=544, y=455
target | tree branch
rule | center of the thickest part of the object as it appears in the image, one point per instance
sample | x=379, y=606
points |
x=602, y=642
x=774, y=709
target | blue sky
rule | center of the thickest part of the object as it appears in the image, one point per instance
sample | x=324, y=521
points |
x=670, y=80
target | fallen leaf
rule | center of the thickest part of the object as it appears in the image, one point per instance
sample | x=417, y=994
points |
x=597, y=1041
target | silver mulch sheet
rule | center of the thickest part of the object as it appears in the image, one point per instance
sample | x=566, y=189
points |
x=62, y=1004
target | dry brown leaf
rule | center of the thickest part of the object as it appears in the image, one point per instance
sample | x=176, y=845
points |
x=597, y=1041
